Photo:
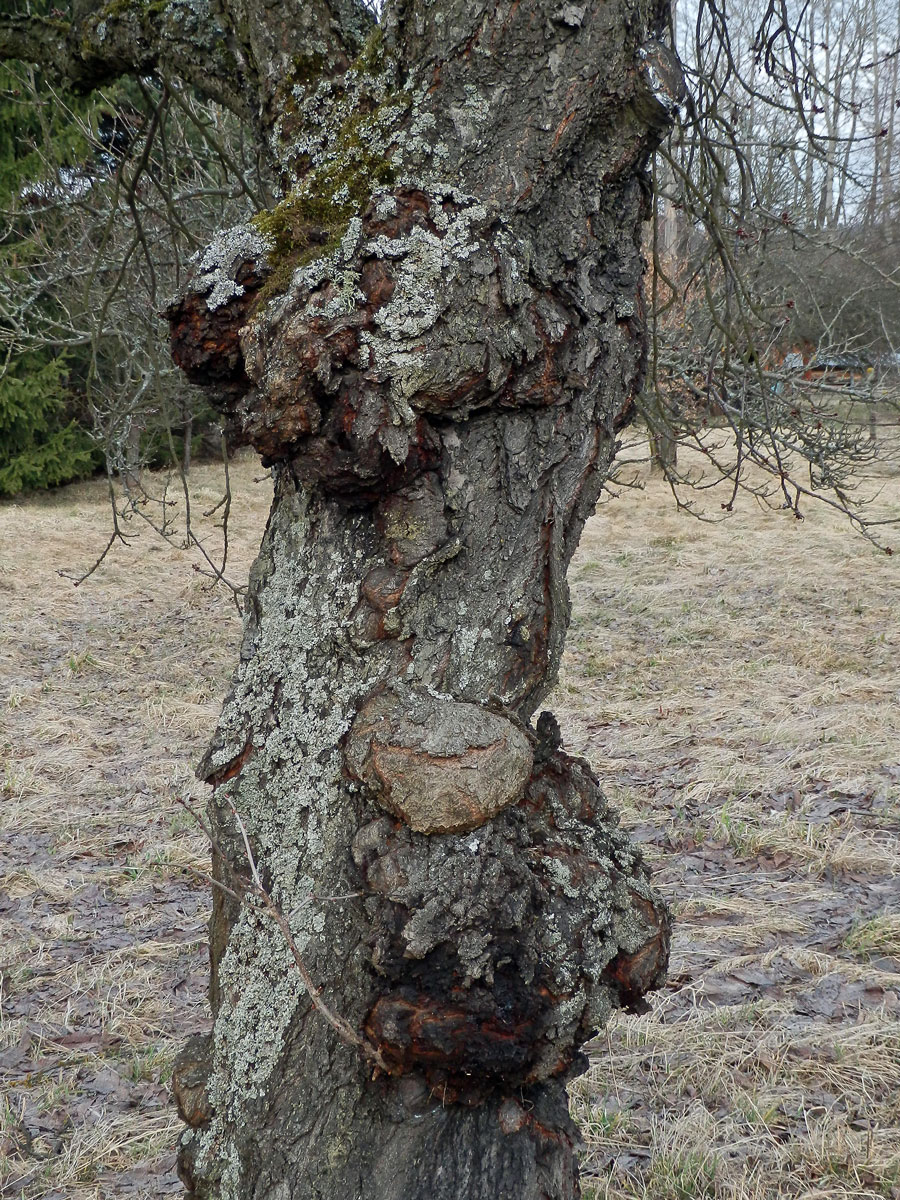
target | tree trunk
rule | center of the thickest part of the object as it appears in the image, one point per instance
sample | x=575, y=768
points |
x=433, y=340
x=439, y=396
x=662, y=439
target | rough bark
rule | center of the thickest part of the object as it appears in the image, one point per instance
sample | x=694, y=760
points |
x=439, y=396
x=244, y=55
x=433, y=340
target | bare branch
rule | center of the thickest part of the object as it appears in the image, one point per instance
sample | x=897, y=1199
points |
x=235, y=54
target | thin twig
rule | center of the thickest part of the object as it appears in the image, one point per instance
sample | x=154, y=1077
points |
x=258, y=891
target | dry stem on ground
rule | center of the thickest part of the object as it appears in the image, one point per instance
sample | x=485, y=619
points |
x=736, y=685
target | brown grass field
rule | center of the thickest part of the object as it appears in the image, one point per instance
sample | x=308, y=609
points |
x=735, y=684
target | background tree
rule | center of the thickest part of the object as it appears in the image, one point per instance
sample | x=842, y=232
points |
x=106, y=200
x=769, y=249
x=42, y=440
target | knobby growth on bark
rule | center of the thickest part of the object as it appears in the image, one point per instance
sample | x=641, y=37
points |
x=433, y=339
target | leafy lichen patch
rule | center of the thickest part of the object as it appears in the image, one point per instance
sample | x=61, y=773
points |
x=216, y=267
x=291, y=697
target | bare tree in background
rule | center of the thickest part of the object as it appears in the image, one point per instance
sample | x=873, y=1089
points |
x=93, y=249
x=775, y=295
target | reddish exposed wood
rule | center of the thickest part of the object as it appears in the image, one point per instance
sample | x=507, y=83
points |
x=205, y=342
x=376, y=282
x=457, y=1047
x=231, y=768
x=358, y=469
x=383, y=587
x=640, y=972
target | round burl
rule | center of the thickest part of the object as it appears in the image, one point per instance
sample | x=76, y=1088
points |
x=440, y=765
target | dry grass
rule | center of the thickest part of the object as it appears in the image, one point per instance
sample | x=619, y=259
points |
x=735, y=684
x=109, y=690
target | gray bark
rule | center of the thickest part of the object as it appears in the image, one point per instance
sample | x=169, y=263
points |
x=433, y=340
x=663, y=446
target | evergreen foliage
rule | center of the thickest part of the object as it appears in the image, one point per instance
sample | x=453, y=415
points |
x=42, y=441
x=103, y=199
x=40, y=446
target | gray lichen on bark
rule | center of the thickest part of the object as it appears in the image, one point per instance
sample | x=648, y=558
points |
x=216, y=267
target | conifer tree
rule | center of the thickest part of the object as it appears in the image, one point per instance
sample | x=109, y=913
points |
x=44, y=433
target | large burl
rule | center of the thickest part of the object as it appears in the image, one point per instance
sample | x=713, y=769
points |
x=441, y=766
x=349, y=371
x=502, y=950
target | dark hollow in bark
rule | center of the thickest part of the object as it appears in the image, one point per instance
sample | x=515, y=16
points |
x=438, y=384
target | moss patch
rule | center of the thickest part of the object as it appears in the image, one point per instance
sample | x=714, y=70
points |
x=136, y=8
x=307, y=68
x=370, y=60
x=299, y=223
x=300, y=228
x=311, y=219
